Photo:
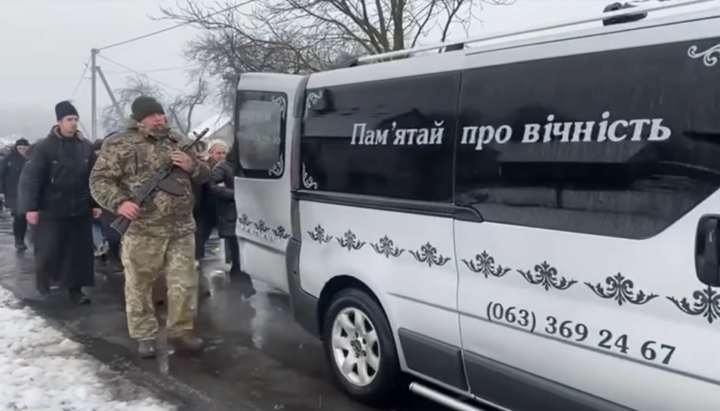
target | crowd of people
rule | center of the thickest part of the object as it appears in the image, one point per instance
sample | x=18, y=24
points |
x=68, y=190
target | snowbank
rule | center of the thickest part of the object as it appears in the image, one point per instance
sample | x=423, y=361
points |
x=41, y=370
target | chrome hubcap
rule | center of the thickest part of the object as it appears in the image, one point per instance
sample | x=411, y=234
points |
x=355, y=346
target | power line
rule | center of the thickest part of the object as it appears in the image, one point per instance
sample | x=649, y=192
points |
x=143, y=36
x=187, y=23
x=139, y=73
x=82, y=77
x=192, y=66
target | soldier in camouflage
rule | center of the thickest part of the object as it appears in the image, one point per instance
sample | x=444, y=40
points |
x=160, y=239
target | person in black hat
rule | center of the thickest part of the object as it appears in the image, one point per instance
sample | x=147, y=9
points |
x=10, y=168
x=54, y=193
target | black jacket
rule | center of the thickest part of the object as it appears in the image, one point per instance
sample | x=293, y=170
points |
x=10, y=168
x=224, y=198
x=55, y=180
x=30, y=149
x=204, y=210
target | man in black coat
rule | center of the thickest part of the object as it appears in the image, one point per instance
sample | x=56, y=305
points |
x=54, y=192
x=10, y=168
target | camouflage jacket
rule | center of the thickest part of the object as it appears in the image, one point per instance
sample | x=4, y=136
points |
x=130, y=158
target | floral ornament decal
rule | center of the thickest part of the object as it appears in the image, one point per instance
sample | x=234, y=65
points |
x=546, y=276
x=244, y=220
x=261, y=226
x=429, y=254
x=386, y=247
x=710, y=57
x=484, y=264
x=621, y=289
x=280, y=101
x=262, y=230
x=318, y=234
x=706, y=303
x=281, y=233
x=278, y=168
x=350, y=241
x=308, y=181
x=312, y=98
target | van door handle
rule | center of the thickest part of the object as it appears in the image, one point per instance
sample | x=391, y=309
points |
x=707, y=250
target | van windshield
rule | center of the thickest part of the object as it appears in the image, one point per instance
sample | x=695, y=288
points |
x=258, y=130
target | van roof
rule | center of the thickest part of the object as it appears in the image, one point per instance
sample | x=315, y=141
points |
x=431, y=61
x=700, y=11
x=660, y=13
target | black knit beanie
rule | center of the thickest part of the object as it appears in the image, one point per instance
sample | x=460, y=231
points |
x=21, y=142
x=64, y=109
x=145, y=106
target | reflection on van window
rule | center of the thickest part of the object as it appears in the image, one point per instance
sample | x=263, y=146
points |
x=259, y=134
x=421, y=172
x=629, y=161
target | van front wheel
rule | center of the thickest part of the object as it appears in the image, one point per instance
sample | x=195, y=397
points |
x=360, y=348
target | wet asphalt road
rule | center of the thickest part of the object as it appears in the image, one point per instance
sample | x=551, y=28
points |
x=257, y=358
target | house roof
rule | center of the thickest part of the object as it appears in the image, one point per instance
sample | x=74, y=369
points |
x=214, y=124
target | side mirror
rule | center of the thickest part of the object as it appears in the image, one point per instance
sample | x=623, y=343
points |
x=707, y=250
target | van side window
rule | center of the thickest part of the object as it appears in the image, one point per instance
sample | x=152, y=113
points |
x=260, y=134
x=390, y=138
x=607, y=143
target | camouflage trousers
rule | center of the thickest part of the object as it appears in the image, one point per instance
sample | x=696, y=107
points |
x=147, y=257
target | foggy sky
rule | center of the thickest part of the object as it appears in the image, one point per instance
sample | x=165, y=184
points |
x=45, y=43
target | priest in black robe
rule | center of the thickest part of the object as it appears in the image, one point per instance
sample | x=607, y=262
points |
x=54, y=192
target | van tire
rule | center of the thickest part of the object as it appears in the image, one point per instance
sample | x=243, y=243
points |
x=383, y=387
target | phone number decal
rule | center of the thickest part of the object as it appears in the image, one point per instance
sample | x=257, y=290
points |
x=652, y=351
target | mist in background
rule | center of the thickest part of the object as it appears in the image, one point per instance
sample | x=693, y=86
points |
x=45, y=44
x=30, y=123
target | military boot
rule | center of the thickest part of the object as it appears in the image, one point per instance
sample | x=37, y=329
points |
x=20, y=245
x=78, y=297
x=146, y=349
x=186, y=342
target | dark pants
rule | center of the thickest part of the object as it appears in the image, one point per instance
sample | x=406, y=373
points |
x=20, y=226
x=114, y=250
x=202, y=235
x=112, y=237
x=64, y=252
x=232, y=254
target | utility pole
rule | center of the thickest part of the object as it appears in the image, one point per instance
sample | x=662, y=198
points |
x=93, y=86
x=115, y=104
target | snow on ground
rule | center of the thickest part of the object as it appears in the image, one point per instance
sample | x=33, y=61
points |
x=41, y=370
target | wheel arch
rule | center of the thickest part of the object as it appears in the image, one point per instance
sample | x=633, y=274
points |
x=336, y=285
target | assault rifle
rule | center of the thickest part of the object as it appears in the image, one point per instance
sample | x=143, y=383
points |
x=158, y=181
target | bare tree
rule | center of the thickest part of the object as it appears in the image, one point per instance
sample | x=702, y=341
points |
x=179, y=108
x=301, y=36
